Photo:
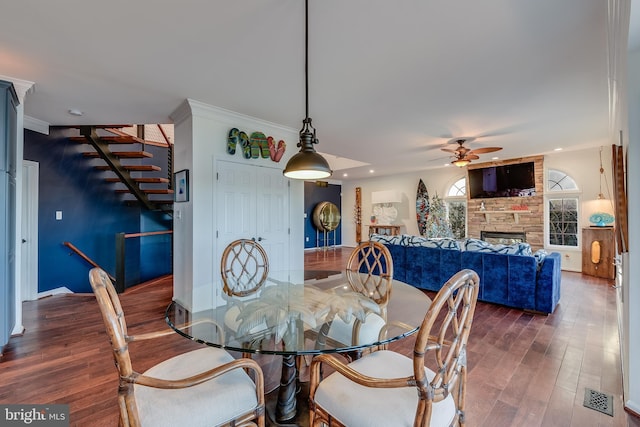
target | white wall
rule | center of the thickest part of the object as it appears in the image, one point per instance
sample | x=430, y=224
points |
x=200, y=138
x=436, y=181
x=631, y=290
x=584, y=167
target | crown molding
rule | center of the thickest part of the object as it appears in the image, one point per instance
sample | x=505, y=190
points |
x=193, y=108
x=23, y=87
x=36, y=125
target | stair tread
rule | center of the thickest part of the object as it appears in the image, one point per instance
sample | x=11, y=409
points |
x=135, y=168
x=142, y=180
x=148, y=191
x=123, y=154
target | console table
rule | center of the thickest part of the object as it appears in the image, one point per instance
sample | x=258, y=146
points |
x=387, y=230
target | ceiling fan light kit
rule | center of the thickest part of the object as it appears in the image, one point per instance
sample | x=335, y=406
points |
x=461, y=162
x=307, y=163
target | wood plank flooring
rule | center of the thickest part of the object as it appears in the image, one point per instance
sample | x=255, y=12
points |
x=524, y=369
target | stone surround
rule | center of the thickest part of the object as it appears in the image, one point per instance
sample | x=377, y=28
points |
x=499, y=213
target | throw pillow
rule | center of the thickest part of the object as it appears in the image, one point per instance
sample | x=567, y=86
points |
x=476, y=245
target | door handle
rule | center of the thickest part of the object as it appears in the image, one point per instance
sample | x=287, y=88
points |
x=24, y=241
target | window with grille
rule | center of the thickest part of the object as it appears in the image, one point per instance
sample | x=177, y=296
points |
x=562, y=206
x=456, y=202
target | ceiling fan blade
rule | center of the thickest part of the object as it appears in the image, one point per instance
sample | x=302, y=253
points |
x=449, y=150
x=471, y=156
x=484, y=150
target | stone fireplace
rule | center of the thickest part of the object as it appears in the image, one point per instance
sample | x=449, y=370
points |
x=521, y=215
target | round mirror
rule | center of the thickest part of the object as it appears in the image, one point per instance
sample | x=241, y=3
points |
x=326, y=216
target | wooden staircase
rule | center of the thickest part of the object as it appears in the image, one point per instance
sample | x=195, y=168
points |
x=127, y=159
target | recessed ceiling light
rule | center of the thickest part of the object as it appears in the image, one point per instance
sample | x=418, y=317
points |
x=345, y=174
x=371, y=171
x=557, y=149
x=446, y=164
x=495, y=158
x=75, y=112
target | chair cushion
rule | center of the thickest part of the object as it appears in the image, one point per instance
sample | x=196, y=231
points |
x=207, y=404
x=355, y=405
x=369, y=330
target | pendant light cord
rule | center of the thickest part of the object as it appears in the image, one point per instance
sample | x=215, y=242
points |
x=306, y=57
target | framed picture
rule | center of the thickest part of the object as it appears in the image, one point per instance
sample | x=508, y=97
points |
x=181, y=185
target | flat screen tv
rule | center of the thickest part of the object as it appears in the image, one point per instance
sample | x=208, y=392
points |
x=516, y=180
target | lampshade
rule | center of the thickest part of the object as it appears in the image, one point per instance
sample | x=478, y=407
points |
x=461, y=162
x=307, y=163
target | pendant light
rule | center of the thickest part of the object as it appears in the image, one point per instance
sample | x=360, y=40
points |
x=307, y=163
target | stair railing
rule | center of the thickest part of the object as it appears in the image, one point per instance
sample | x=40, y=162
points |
x=121, y=254
x=85, y=257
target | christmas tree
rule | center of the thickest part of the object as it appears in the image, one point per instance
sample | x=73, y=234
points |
x=437, y=224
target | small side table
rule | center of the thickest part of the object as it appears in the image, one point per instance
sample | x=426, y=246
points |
x=387, y=230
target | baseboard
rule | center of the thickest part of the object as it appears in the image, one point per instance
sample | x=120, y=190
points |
x=632, y=408
x=56, y=291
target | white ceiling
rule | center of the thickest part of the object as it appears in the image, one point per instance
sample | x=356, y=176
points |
x=390, y=81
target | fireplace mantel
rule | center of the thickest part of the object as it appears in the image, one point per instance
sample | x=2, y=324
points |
x=515, y=213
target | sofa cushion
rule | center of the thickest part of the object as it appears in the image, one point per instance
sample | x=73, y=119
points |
x=476, y=245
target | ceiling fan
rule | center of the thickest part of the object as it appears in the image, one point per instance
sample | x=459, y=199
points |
x=463, y=155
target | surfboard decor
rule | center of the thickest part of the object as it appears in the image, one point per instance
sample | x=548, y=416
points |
x=422, y=208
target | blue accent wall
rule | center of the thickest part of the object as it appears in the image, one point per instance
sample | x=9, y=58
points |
x=314, y=194
x=92, y=214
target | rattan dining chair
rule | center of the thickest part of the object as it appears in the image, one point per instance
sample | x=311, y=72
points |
x=244, y=267
x=369, y=272
x=386, y=388
x=202, y=387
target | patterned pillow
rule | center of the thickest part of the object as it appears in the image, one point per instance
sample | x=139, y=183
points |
x=416, y=241
x=385, y=240
x=438, y=243
x=475, y=245
x=540, y=255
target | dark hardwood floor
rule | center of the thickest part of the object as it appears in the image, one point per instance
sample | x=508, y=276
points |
x=524, y=369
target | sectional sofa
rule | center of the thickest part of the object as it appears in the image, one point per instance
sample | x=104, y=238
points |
x=510, y=275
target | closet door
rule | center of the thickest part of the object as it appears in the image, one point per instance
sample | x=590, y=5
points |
x=252, y=202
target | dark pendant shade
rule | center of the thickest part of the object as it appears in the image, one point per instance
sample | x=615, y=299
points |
x=307, y=163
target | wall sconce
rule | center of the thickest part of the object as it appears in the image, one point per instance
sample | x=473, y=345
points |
x=383, y=208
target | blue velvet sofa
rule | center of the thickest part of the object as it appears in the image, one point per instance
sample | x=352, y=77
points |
x=522, y=281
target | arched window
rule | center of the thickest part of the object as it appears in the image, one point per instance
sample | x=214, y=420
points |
x=456, y=202
x=560, y=181
x=562, y=206
x=459, y=188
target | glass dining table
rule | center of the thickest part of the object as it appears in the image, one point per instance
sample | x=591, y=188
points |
x=298, y=313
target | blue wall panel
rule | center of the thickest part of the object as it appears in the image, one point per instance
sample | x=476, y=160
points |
x=314, y=194
x=92, y=214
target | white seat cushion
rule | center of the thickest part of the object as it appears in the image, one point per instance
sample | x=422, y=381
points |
x=369, y=330
x=355, y=405
x=231, y=321
x=207, y=404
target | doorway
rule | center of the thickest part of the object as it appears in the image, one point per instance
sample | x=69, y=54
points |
x=29, y=231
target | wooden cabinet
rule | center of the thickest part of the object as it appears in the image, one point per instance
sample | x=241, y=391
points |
x=388, y=230
x=598, y=252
